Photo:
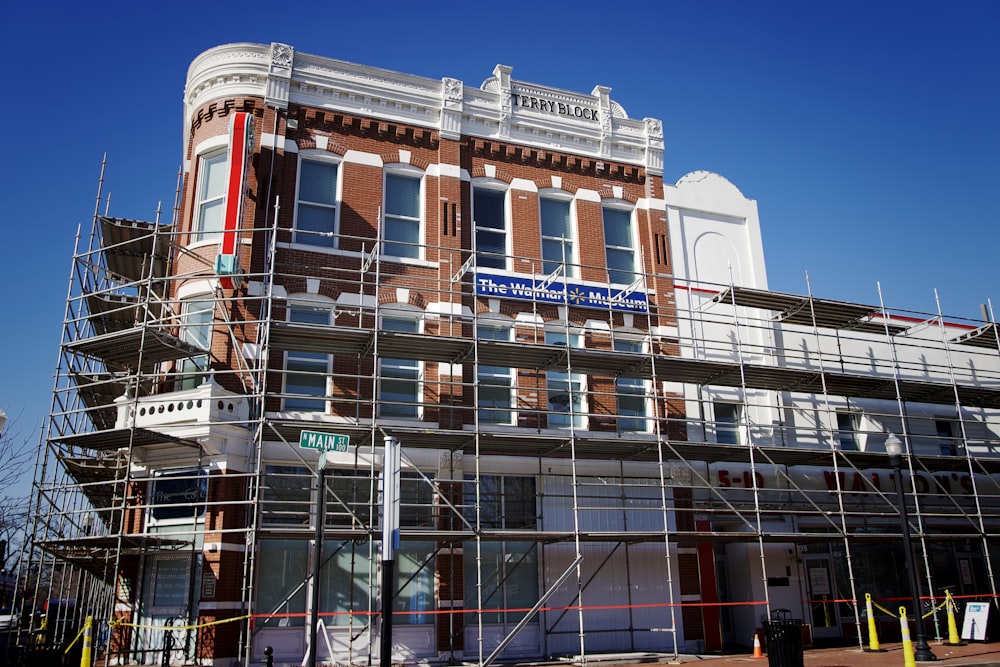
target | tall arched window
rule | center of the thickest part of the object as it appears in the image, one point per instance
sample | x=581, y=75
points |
x=402, y=233
x=307, y=374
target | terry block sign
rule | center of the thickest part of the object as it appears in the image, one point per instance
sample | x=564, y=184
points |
x=327, y=442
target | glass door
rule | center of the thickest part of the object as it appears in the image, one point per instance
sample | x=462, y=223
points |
x=823, y=607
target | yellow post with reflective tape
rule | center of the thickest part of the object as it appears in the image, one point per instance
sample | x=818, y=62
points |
x=904, y=628
x=873, y=644
x=88, y=642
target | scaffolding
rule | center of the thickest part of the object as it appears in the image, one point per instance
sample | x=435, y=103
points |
x=543, y=441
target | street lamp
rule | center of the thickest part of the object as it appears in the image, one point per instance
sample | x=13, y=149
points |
x=317, y=556
x=3, y=420
x=894, y=448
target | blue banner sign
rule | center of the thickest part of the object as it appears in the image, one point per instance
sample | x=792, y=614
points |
x=629, y=299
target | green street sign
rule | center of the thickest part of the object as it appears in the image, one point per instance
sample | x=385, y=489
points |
x=327, y=442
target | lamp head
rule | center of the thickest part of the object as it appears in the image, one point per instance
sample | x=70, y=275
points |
x=893, y=445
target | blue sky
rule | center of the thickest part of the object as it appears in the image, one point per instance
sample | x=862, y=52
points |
x=866, y=131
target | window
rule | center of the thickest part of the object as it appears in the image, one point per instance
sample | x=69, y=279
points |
x=557, y=235
x=565, y=390
x=307, y=373
x=509, y=569
x=402, y=216
x=631, y=394
x=179, y=495
x=727, y=423
x=619, y=247
x=504, y=502
x=489, y=211
x=316, y=207
x=286, y=495
x=950, y=444
x=399, y=385
x=847, y=431
x=196, y=329
x=283, y=566
x=212, y=177
x=496, y=383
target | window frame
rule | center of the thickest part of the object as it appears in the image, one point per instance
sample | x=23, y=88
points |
x=419, y=247
x=498, y=373
x=575, y=339
x=305, y=237
x=216, y=202
x=191, y=371
x=307, y=358
x=950, y=443
x=615, y=273
x=572, y=259
x=848, y=429
x=414, y=366
x=633, y=388
x=501, y=188
x=728, y=424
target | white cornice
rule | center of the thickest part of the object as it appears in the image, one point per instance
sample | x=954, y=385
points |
x=505, y=109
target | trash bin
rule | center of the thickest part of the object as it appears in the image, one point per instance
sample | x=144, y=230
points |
x=784, y=640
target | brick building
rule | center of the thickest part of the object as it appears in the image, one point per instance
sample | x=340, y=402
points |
x=607, y=424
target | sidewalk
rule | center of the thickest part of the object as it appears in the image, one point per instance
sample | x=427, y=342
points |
x=978, y=654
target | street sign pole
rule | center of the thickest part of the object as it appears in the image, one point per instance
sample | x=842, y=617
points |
x=317, y=557
x=390, y=541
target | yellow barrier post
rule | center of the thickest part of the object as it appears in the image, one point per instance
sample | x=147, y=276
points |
x=953, y=638
x=904, y=628
x=88, y=642
x=873, y=645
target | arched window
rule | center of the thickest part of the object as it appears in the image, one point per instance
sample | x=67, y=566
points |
x=307, y=374
x=211, y=197
x=619, y=243
x=403, y=229
x=631, y=393
x=566, y=405
x=399, y=386
x=317, y=200
x=492, y=224
x=555, y=209
x=496, y=383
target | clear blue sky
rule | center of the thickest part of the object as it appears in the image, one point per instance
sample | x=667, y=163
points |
x=868, y=132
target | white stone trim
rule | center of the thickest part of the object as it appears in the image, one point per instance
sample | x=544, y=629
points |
x=591, y=125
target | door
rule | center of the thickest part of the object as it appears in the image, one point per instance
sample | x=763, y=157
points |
x=823, y=607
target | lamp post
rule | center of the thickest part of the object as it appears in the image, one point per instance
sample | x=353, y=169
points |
x=894, y=448
x=317, y=557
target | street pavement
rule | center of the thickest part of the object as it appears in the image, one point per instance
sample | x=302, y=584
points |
x=978, y=654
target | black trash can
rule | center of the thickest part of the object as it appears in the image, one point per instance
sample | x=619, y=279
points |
x=783, y=635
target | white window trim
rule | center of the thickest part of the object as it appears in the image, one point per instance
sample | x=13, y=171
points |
x=498, y=321
x=197, y=235
x=308, y=301
x=647, y=385
x=559, y=327
x=498, y=186
x=313, y=155
x=401, y=312
x=622, y=205
x=399, y=169
x=573, y=260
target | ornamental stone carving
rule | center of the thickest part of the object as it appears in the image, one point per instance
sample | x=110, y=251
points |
x=281, y=55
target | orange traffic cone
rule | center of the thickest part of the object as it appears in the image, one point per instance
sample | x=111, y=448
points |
x=757, y=653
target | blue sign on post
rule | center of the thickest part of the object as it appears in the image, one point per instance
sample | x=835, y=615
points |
x=327, y=442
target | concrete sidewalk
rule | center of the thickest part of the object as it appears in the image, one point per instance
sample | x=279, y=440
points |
x=978, y=654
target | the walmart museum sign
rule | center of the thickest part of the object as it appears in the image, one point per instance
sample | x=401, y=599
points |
x=628, y=299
